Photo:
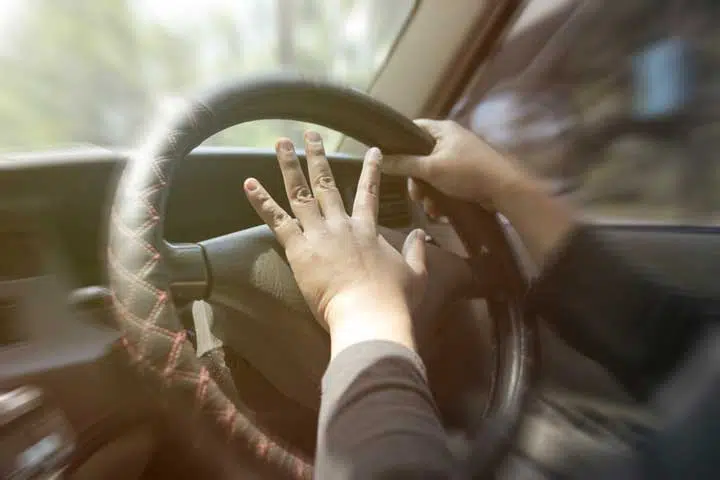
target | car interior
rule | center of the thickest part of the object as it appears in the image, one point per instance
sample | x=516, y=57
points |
x=150, y=330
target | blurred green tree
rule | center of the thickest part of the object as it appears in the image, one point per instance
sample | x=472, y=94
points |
x=61, y=83
x=95, y=72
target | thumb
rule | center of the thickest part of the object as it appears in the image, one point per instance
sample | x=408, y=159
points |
x=414, y=252
x=404, y=165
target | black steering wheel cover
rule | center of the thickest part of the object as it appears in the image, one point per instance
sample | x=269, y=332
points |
x=153, y=334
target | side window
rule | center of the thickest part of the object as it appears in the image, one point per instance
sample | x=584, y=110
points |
x=616, y=103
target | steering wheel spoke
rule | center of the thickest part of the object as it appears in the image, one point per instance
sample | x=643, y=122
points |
x=188, y=271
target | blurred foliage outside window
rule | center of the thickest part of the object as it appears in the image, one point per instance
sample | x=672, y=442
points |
x=77, y=72
x=621, y=105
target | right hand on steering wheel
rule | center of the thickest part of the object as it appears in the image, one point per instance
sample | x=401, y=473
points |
x=461, y=165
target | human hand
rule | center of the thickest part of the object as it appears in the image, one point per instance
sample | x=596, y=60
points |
x=461, y=165
x=355, y=282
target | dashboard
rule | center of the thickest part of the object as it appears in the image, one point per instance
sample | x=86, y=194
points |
x=68, y=194
x=55, y=391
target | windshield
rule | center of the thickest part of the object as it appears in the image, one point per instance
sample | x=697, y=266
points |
x=98, y=71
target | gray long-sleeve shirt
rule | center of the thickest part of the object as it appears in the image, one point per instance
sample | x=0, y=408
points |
x=378, y=419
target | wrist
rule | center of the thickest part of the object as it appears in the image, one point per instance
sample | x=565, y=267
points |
x=359, y=316
x=365, y=299
x=517, y=189
x=541, y=220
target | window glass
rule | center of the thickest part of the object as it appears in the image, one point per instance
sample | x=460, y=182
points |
x=97, y=71
x=615, y=103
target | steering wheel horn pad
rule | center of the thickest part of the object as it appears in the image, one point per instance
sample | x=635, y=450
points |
x=141, y=275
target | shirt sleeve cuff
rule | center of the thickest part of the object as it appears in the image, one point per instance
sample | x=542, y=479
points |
x=351, y=362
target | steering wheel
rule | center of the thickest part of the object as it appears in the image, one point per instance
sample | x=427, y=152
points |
x=246, y=270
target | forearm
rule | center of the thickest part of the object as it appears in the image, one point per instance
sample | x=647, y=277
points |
x=543, y=222
x=378, y=418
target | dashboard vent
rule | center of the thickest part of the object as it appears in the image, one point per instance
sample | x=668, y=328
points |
x=394, y=209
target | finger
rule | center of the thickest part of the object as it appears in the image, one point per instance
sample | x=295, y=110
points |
x=430, y=208
x=414, y=252
x=415, y=165
x=321, y=177
x=415, y=190
x=433, y=127
x=302, y=203
x=405, y=165
x=366, y=203
x=417, y=193
x=285, y=228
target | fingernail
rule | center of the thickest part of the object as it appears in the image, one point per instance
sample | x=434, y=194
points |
x=312, y=136
x=251, y=184
x=284, y=145
x=375, y=152
x=429, y=208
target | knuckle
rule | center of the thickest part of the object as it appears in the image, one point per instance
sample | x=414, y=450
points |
x=373, y=162
x=279, y=218
x=261, y=197
x=267, y=204
x=325, y=181
x=301, y=194
x=371, y=188
x=287, y=159
x=316, y=148
x=273, y=212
